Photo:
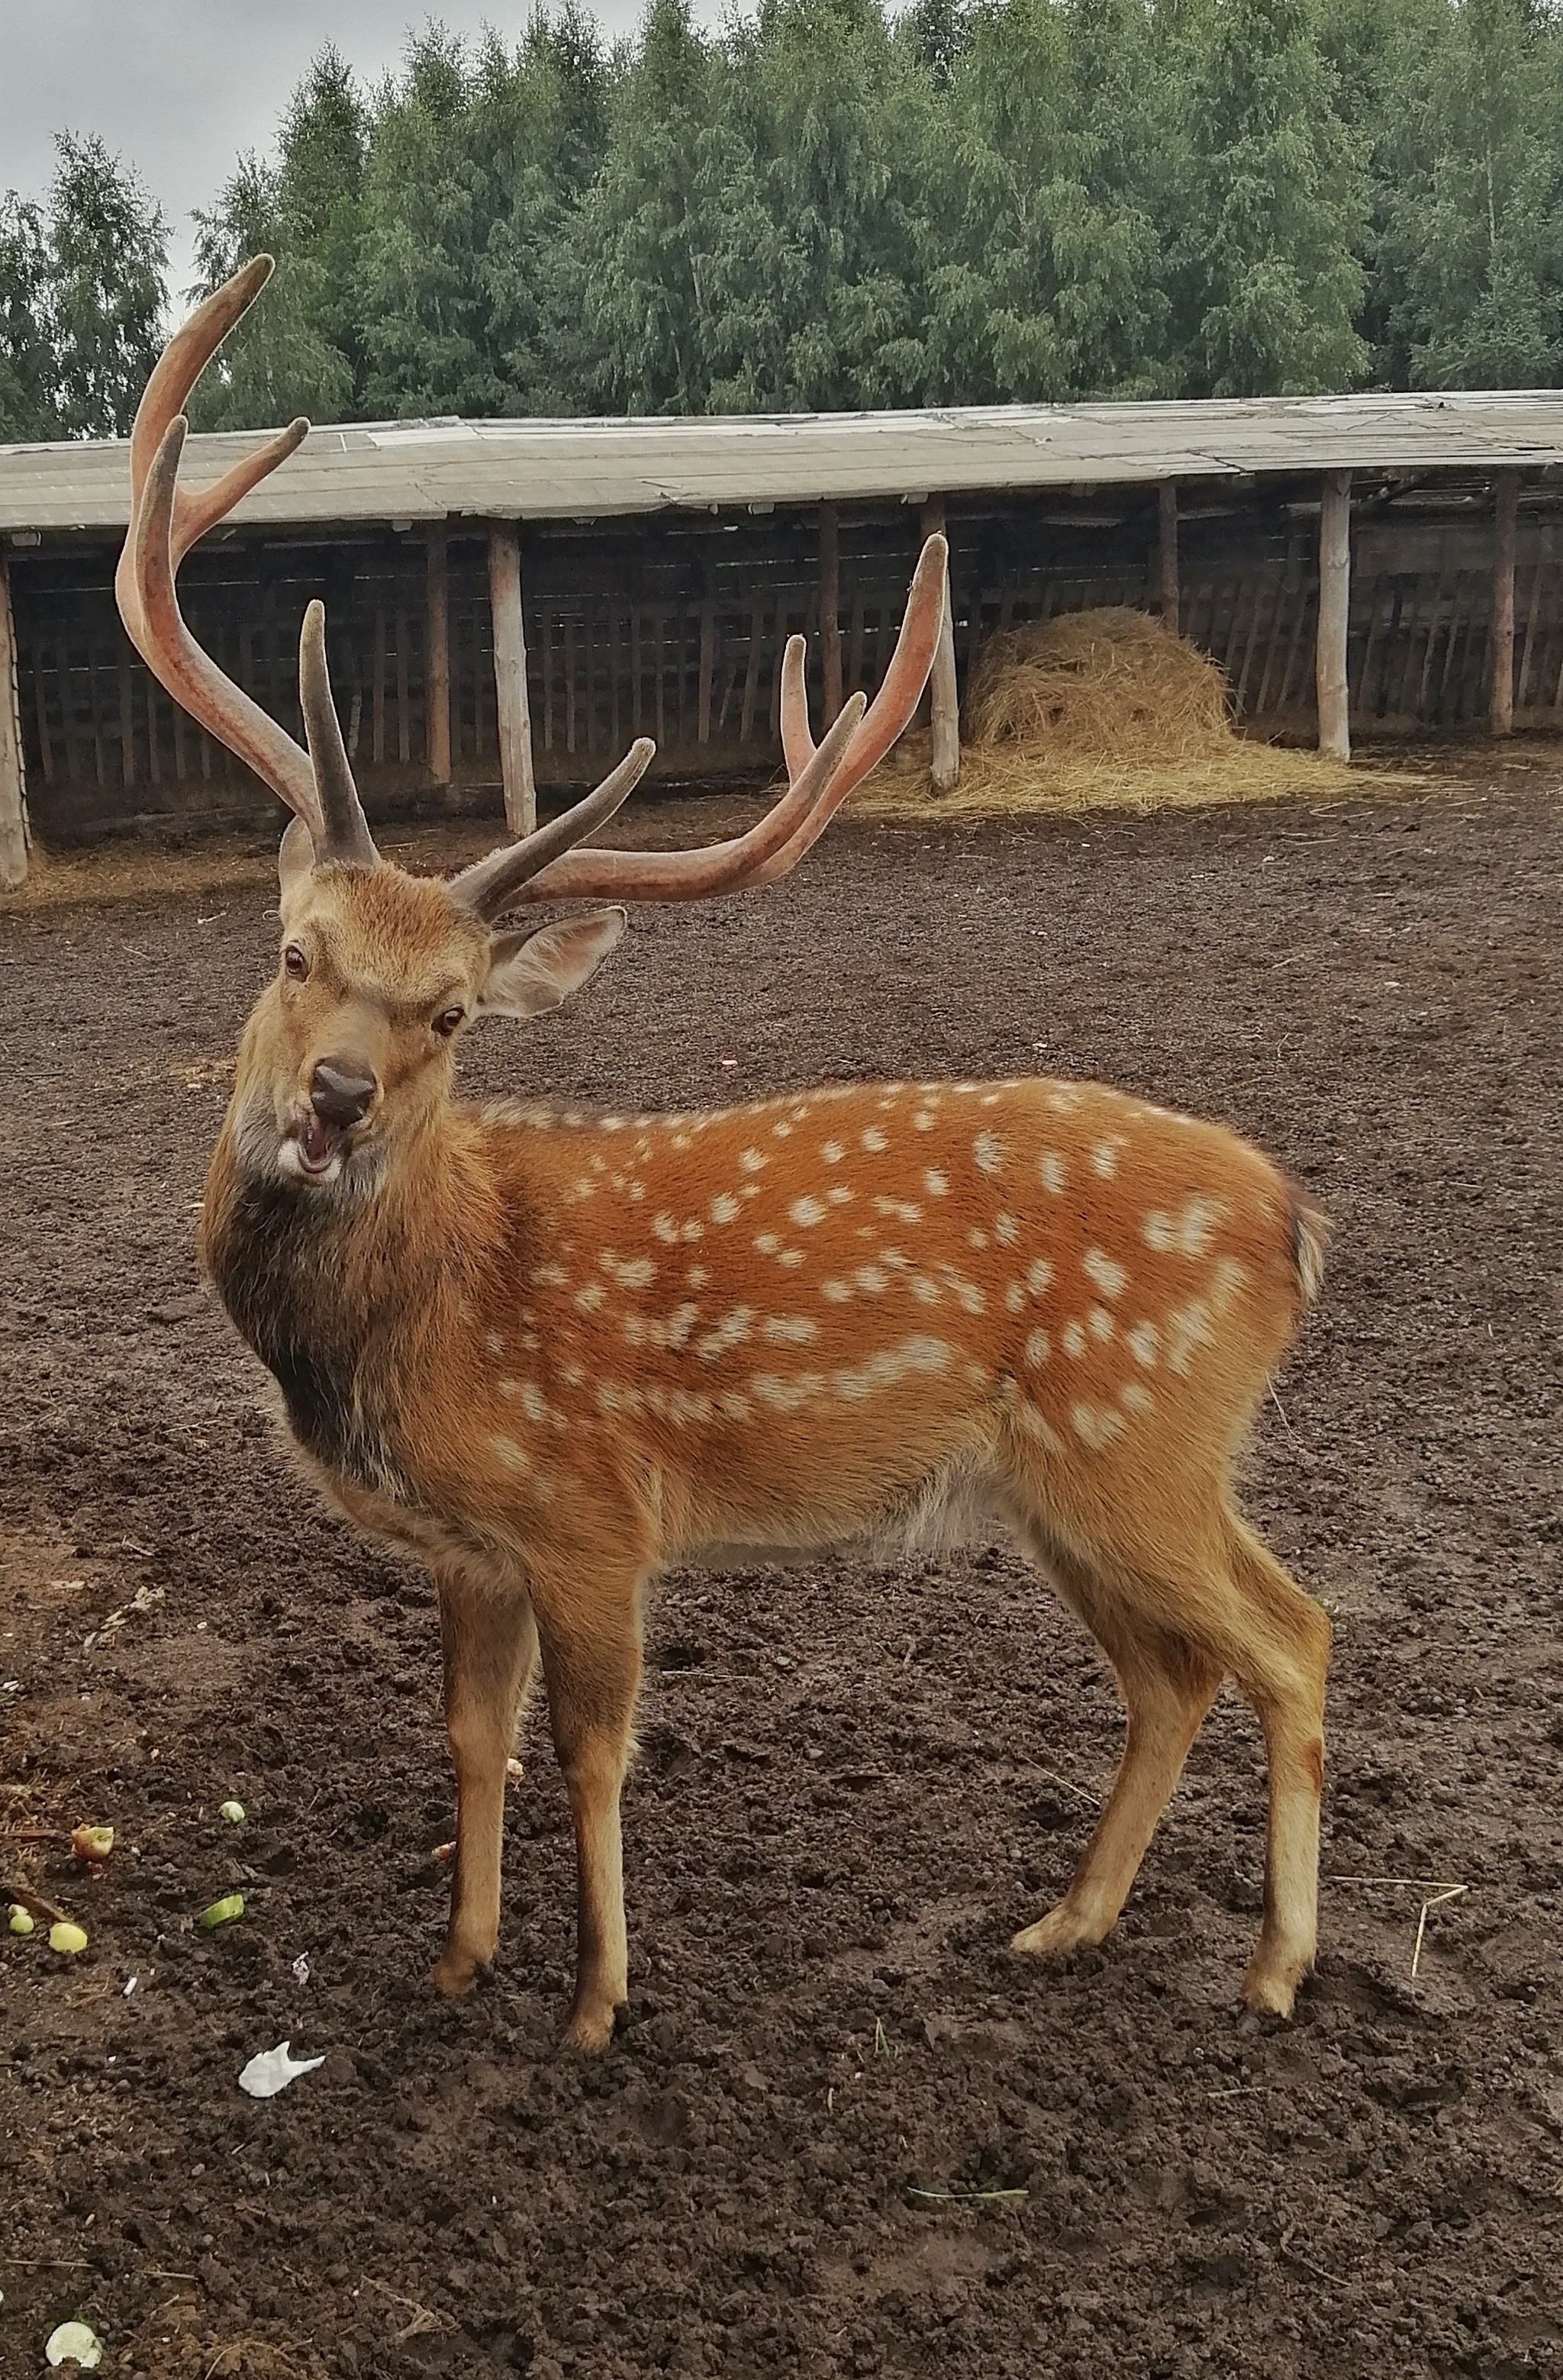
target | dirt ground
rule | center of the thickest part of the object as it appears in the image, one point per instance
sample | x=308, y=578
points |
x=844, y=2131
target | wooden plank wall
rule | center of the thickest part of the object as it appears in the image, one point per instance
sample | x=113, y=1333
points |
x=677, y=630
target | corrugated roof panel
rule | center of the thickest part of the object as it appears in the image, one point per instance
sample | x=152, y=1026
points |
x=542, y=470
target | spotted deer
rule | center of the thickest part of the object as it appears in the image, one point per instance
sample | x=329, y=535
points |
x=555, y=1353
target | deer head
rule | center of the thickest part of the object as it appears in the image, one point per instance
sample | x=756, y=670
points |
x=348, y=1053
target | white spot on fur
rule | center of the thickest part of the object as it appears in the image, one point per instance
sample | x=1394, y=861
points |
x=1188, y=1328
x=936, y=1184
x=751, y=1161
x=890, y=1365
x=1074, y=1340
x=666, y=1229
x=1109, y=1278
x=1014, y=1297
x=833, y=1152
x=551, y=1276
x=873, y=1140
x=790, y=1330
x=1050, y=1166
x=806, y=1211
x=1144, y=1340
x=731, y=1331
x=837, y=1291
x=872, y=1281
x=1225, y=1280
x=590, y=1298
x=988, y=1151
x=1135, y=1397
x=767, y=1242
x=1097, y=1425
x=630, y=1272
x=697, y=1276
x=1104, y=1156
x=1006, y=1231
x=493, y=1342
x=786, y=1395
x=922, y=1121
x=724, y=1208
x=1101, y=1324
x=533, y=1404
x=1188, y=1233
x=509, y=1453
x=1038, y=1276
x=898, y=1210
x=1038, y=1349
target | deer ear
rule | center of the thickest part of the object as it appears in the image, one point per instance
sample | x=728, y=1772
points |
x=296, y=858
x=529, y=973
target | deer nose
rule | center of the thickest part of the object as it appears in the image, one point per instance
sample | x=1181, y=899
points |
x=340, y=1093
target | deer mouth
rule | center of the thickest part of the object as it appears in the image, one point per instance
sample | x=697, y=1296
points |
x=316, y=1146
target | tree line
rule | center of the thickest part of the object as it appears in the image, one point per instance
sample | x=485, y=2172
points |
x=824, y=206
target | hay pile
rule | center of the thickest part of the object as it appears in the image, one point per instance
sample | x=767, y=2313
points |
x=1103, y=709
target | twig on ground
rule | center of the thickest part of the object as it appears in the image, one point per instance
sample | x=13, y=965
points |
x=1450, y=1893
x=1435, y=1888
x=956, y=2196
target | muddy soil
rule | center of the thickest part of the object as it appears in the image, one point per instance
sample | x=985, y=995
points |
x=844, y=2132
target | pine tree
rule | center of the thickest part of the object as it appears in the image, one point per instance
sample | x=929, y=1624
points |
x=1473, y=219
x=1269, y=252
x=27, y=361
x=108, y=253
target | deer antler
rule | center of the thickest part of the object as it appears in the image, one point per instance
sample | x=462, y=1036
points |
x=317, y=785
x=819, y=781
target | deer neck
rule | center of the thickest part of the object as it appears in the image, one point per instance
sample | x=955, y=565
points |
x=350, y=1296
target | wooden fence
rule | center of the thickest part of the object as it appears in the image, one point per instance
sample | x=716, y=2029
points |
x=676, y=629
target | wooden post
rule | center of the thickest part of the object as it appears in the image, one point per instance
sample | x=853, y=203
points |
x=943, y=694
x=436, y=659
x=1166, y=549
x=1335, y=606
x=1502, y=642
x=13, y=786
x=830, y=614
x=513, y=710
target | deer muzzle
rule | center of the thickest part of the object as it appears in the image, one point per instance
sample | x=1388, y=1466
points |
x=342, y=1092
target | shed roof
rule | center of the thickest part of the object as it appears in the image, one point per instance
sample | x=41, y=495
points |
x=587, y=469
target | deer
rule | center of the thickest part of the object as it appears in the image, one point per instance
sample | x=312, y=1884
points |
x=556, y=1354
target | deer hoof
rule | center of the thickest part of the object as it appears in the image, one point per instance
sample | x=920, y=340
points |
x=1270, y=1987
x=1055, y=1935
x=590, y=2030
x=455, y=1973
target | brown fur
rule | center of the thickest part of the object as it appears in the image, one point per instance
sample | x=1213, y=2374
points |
x=553, y=1354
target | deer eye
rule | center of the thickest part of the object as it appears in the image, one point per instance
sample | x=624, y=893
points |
x=295, y=962
x=447, y=1020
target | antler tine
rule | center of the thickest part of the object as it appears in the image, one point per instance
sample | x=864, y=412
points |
x=901, y=691
x=348, y=838
x=166, y=520
x=491, y=886
x=820, y=779
x=714, y=868
x=174, y=375
x=190, y=676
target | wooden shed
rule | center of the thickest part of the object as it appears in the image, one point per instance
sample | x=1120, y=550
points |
x=509, y=603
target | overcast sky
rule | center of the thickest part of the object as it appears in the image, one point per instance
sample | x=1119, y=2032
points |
x=179, y=87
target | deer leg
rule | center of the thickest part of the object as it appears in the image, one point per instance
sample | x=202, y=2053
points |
x=1167, y=1686
x=490, y=1642
x=1281, y=1663
x=591, y=1662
